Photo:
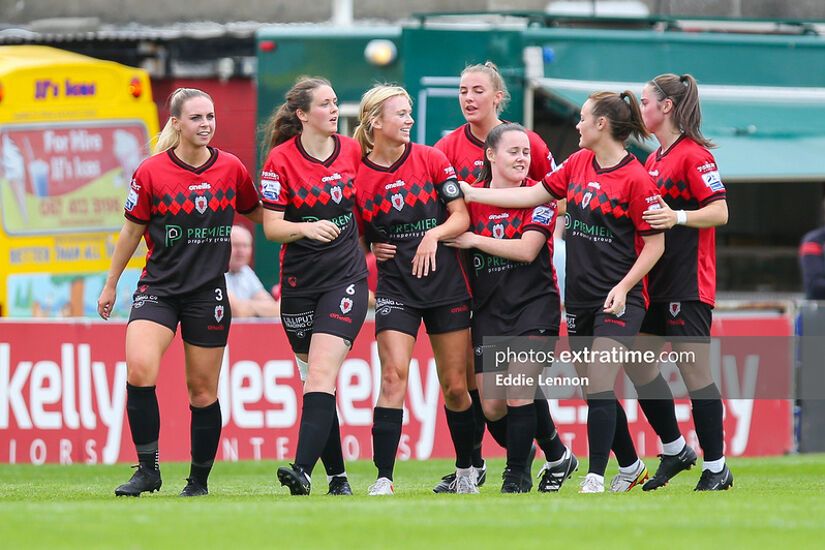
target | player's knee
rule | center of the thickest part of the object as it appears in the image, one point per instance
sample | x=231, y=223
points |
x=455, y=392
x=393, y=383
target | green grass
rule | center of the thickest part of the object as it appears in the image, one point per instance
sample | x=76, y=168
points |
x=776, y=502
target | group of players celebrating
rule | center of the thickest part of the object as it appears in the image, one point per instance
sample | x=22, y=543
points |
x=489, y=186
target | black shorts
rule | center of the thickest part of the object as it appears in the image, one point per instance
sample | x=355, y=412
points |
x=340, y=312
x=685, y=320
x=392, y=315
x=204, y=314
x=593, y=322
x=545, y=339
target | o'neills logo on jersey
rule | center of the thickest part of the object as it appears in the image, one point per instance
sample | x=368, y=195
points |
x=498, y=231
x=200, y=204
x=397, y=201
x=200, y=187
x=336, y=194
x=395, y=184
x=675, y=308
x=345, y=305
x=218, y=313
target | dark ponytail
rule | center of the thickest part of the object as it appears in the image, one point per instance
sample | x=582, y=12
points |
x=493, y=137
x=683, y=91
x=284, y=123
x=623, y=112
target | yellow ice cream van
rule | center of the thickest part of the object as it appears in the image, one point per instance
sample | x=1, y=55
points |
x=72, y=131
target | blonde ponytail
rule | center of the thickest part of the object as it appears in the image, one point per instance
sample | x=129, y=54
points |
x=169, y=138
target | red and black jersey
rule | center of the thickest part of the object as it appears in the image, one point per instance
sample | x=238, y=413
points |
x=188, y=213
x=397, y=205
x=466, y=153
x=604, y=217
x=688, y=179
x=306, y=189
x=510, y=297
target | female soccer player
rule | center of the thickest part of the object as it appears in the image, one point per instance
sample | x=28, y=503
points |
x=483, y=96
x=682, y=285
x=308, y=197
x=514, y=289
x=409, y=201
x=607, y=191
x=182, y=201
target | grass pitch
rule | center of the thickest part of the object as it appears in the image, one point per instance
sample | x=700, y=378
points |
x=776, y=502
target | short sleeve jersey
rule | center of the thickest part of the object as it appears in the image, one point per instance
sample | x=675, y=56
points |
x=397, y=205
x=466, y=153
x=604, y=216
x=688, y=179
x=306, y=189
x=510, y=297
x=188, y=213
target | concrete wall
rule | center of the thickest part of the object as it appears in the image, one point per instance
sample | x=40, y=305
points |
x=21, y=12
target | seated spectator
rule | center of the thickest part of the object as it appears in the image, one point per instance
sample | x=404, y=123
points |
x=812, y=263
x=247, y=296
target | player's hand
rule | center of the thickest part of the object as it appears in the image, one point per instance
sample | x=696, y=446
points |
x=616, y=301
x=322, y=230
x=465, y=240
x=467, y=190
x=661, y=217
x=106, y=302
x=424, y=259
x=383, y=251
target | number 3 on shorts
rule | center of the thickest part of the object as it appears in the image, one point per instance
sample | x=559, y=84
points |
x=218, y=294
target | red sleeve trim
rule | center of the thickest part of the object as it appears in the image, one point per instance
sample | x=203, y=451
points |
x=275, y=207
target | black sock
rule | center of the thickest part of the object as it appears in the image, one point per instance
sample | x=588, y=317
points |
x=144, y=423
x=498, y=429
x=707, y=418
x=204, y=433
x=521, y=429
x=623, y=446
x=386, y=432
x=316, y=420
x=462, y=427
x=546, y=434
x=656, y=401
x=480, y=425
x=601, y=427
x=333, y=457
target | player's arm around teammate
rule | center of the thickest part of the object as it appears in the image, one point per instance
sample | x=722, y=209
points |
x=514, y=298
x=482, y=97
x=408, y=197
x=607, y=191
x=324, y=293
x=682, y=286
x=182, y=282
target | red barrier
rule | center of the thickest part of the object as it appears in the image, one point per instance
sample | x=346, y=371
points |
x=62, y=399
